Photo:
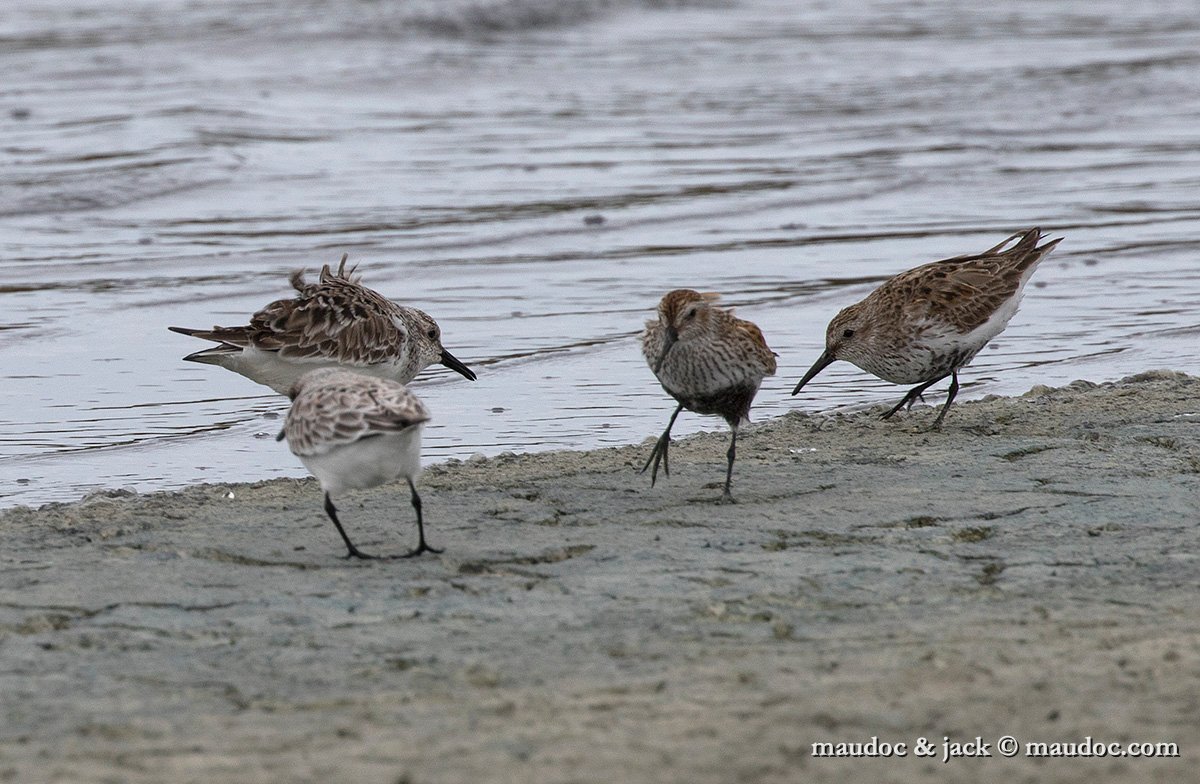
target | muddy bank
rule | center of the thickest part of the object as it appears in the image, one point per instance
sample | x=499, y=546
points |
x=1030, y=571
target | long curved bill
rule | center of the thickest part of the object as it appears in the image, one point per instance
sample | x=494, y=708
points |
x=822, y=362
x=668, y=341
x=452, y=362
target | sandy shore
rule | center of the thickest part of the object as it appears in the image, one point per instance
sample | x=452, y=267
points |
x=1031, y=570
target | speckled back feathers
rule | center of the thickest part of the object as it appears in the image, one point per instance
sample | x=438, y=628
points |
x=339, y=319
x=332, y=407
x=962, y=292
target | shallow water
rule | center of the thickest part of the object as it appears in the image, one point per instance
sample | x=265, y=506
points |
x=171, y=162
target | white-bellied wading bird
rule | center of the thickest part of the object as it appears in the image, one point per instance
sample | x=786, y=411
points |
x=353, y=432
x=710, y=361
x=336, y=321
x=929, y=322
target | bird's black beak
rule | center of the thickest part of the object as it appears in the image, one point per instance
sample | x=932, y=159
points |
x=822, y=362
x=672, y=336
x=451, y=361
x=282, y=434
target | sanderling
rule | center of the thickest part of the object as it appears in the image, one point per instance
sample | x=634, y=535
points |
x=710, y=361
x=929, y=322
x=334, y=322
x=354, y=431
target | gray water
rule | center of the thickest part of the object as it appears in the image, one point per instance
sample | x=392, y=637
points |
x=171, y=162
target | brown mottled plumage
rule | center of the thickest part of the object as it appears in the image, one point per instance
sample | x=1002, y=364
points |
x=929, y=322
x=356, y=431
x=336, y=321
x=710, y=361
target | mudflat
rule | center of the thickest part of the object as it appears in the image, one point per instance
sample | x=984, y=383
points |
x=1030, y=570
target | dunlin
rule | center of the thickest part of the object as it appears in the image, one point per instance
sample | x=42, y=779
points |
x=929, y=322
x=710, y=361
x=336, y=321
x=354, y=431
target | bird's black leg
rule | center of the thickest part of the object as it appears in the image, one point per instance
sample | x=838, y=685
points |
x=422, y=547
x=354, y=552
x=727, y=497
x=912, y=395
x=937, y=423
x=659, y=453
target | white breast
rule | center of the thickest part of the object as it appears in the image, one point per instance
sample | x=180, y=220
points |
x=368, y=462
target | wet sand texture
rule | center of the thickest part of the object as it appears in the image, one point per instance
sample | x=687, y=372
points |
x=1031, y=570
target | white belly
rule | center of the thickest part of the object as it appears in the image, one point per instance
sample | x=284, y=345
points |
x=280, y=373
x=369, y=462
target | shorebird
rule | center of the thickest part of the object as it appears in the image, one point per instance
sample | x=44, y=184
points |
x=336, y=321
x=353, y=432
x=710, y=361
x=929, y=322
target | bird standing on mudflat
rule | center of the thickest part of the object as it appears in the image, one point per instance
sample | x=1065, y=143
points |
x=353, y=432
x=929, y=322
x=336, y=321
x=710, y=361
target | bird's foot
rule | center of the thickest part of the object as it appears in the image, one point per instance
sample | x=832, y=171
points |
x=658, y=456
x=423, y=548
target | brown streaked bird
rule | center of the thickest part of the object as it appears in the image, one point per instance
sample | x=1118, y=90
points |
x=929, y=322
x=353, y=432
x=710, y=361
x=335, y=322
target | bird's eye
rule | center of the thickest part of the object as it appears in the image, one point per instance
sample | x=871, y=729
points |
x=432, y=334
x=849, y=333
x=691, y=314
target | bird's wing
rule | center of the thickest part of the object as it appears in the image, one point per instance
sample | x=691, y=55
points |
x=336, y=319
x=336, y=414
x=966, y=290
x=753, y=345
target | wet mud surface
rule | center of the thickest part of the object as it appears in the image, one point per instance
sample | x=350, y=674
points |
x=1028, y=570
